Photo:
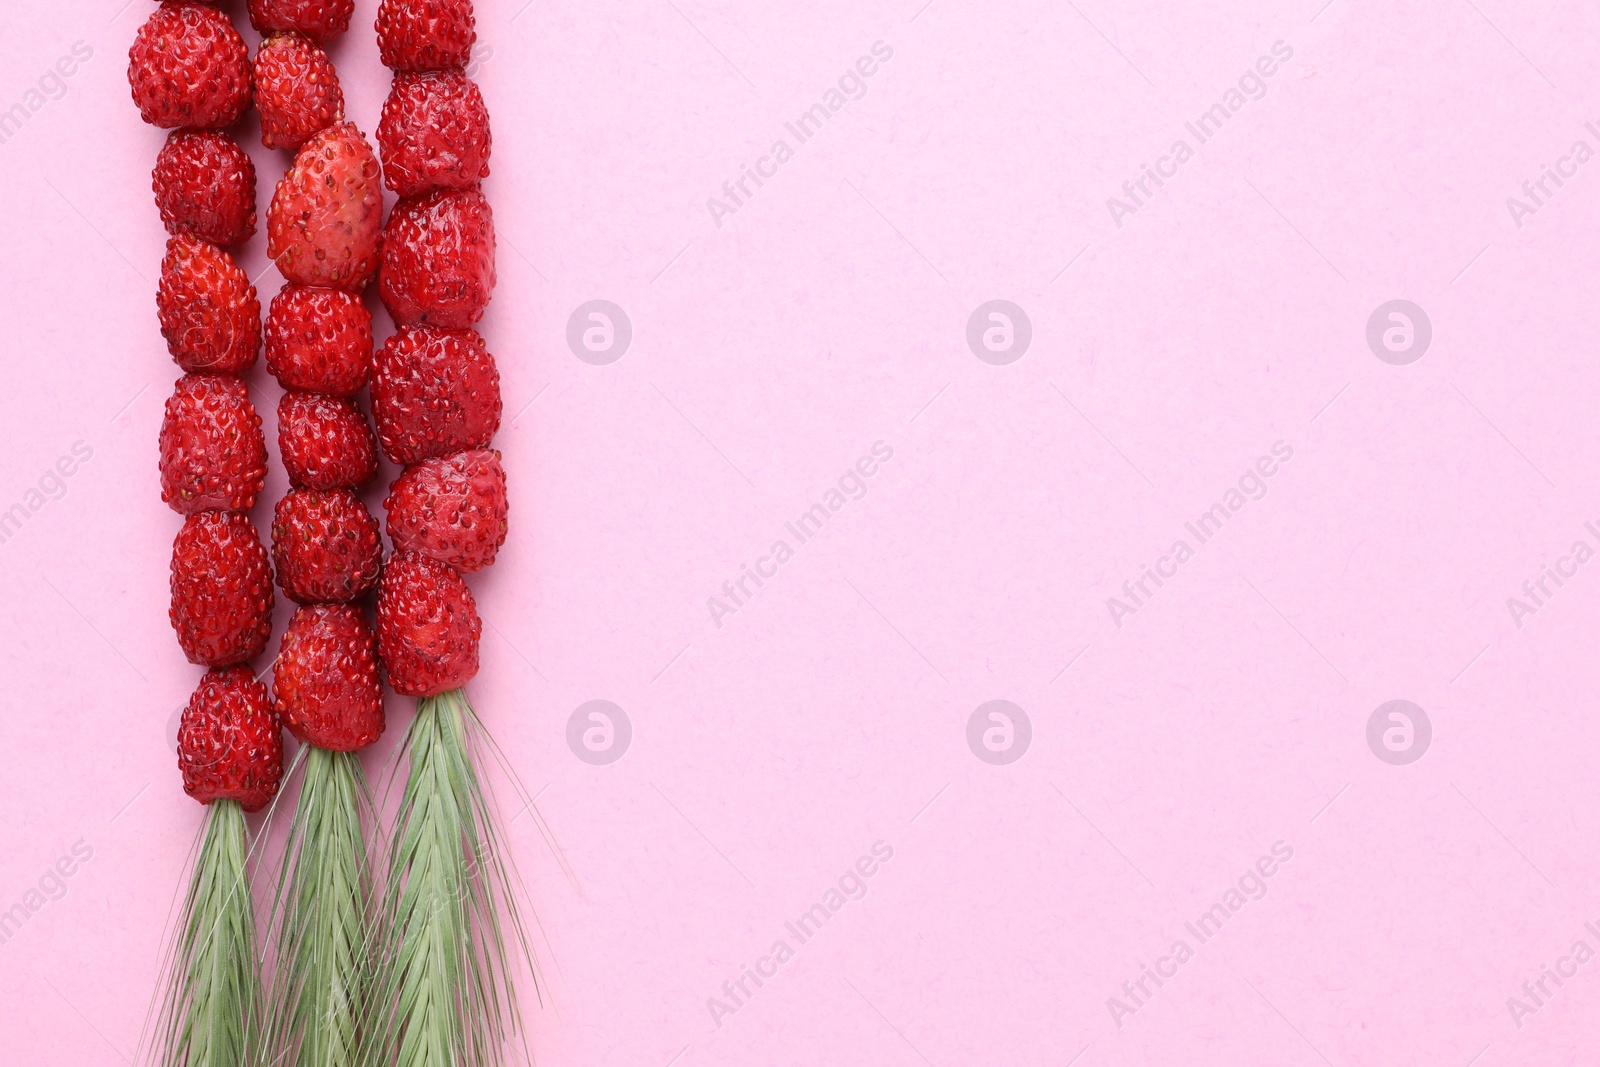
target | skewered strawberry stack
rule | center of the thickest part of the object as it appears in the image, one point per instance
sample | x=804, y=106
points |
x=323, y=228
x=435, y=390
x=444, y=984
x=189, y=72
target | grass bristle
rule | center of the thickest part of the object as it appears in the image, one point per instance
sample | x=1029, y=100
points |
x=444, y=983
x=211, y=1009
x=321, y=929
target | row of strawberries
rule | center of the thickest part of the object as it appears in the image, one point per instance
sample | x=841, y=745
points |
x=435, y=389
x=189, y=71
x=322, y=231
x=435, y=376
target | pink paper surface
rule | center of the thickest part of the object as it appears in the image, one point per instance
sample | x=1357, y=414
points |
x=1181, y=742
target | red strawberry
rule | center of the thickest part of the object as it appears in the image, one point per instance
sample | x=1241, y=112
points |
x=221, y=589
x=434, y=392
x=325, y=441
x=325, y=546
x=438, y=259
x=425, y=34
x=319, y=340
x=322, y=20
x=213, y=454
x=297, y=90
x=327, y=212
x=451, y=509
x=189, y=67
x=325, y=679
x=205, y=184
x=428, y=626
x=208, y=309
x=228, y=742
x=434, y=133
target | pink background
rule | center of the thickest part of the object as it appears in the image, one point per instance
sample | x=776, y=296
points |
x=768, y=354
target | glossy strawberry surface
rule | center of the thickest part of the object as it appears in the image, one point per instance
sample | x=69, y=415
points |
x=434, y=392
x=213, y=453
x=229, y=747
x=221, y=589
x=325, y=679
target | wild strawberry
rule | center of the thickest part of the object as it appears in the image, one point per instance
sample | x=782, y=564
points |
x=425, y=34
x=325, y=679
x=434, y=392
x=189, y=67
x=205, y=184
x=297, y=90
x=438, y=259
x=208, y=309
x=213, y=454
x=327, y=212
x=319, y=340
x=221, y=589
x=325, y=546
x=325, y=442
x=321, y=20
x=451, y=509
x=228, y=742
x=428, y=626
x=434, y=133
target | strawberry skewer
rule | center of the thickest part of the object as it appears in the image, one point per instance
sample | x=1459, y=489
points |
x=188, y=71
x=323, y=227
x=444, y=987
